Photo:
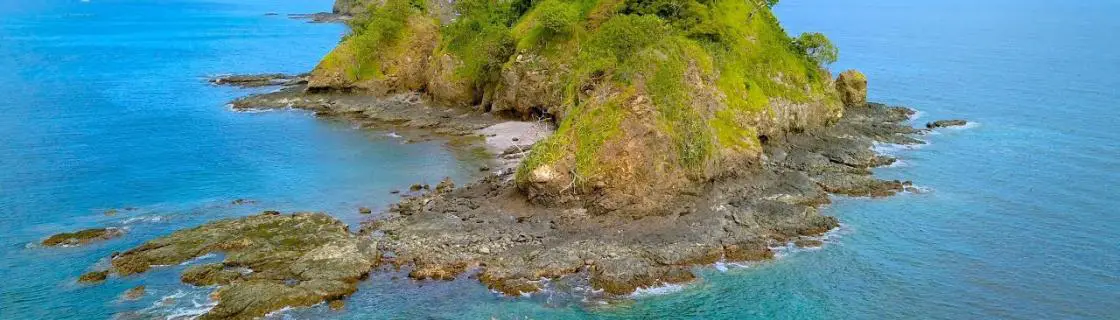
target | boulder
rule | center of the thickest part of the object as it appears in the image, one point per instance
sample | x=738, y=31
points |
x=852, y=86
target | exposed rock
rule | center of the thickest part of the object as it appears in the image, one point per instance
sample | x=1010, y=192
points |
x=259, y=80
x=337, y=305
x=365, y=210
x=210, y=274
x=94, y=276
x=135, y=293
x=852, y=86
x=808, y=243
x=946, y=123
x=288, y=261
x=445, y=185
x=320, y=17
x=82, y=237
x=735, y=218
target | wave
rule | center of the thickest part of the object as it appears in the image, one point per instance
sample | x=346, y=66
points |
x=658, y=290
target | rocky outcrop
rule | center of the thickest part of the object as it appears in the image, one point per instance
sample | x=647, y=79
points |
x=852, y=86
x=82, y=237
x=94, y=276
x=259, y=80
x=489, y=225
x=946, y=124
x=271, y=261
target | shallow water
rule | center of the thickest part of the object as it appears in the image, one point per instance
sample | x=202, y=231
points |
x=106, y=108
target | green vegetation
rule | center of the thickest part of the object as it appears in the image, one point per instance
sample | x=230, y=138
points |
x=817, y=47
x=701, y=78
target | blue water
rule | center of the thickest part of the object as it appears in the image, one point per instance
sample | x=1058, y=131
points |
x=105, y=106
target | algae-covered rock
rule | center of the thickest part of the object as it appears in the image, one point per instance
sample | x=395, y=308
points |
x=82, y=237
x=852, y=86
x=135, y=293
x=271, y=261
x=94, y=276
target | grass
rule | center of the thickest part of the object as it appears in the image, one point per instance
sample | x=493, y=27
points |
x=710, y=68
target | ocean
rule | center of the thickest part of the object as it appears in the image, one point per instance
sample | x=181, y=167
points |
x=106, y=106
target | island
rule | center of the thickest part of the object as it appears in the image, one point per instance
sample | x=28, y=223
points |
x=676, y=134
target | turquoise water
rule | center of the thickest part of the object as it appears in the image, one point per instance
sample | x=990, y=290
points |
x=105, y=107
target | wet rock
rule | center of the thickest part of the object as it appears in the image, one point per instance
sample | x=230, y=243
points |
x=82, y=237
x=238, y=202
x=320, y=17
x=416, y=187
x=365, y=210
x=808, y=243
x=258, y=80
x=94, y=276
x=135, y=293
x=337, y=305
x=271, y=212
x=445, y=185
x=289, y=261
x=946, y=123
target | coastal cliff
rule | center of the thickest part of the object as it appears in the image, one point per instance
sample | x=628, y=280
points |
x=651, y=99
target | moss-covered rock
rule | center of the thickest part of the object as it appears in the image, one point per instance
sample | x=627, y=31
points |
x=82, y=237
x=271, y=261
x=852, y=86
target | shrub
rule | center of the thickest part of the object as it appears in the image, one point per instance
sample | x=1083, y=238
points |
x=557, y=17
x=817, y=47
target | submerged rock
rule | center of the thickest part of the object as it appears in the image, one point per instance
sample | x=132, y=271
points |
x=82, y=237
x=946, y=123
x=135, y=293
x=94, y=276
x=282, y=261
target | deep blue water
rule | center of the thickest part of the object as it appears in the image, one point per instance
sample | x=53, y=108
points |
x=105, y=106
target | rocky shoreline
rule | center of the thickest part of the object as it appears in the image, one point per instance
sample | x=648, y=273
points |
x=489, y=229
x=489, y=226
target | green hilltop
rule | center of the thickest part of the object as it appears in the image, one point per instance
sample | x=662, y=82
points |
x=652, y=98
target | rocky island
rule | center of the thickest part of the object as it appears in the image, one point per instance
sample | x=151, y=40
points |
x=682, y=133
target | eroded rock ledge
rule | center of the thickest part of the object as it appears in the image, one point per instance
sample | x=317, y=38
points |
x=489, y=224
x=271, y=261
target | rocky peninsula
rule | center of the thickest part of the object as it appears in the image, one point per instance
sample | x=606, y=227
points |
x=635, y=141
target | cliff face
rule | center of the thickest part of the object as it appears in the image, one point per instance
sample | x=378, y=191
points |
x=652, y=97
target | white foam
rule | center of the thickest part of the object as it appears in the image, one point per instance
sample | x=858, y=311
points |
x=966, y=126
x=891, y=148
x=658, y=290
x=393, y=135
x=917, y=115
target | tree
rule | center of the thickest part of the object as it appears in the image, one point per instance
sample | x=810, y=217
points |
x=817, y=47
